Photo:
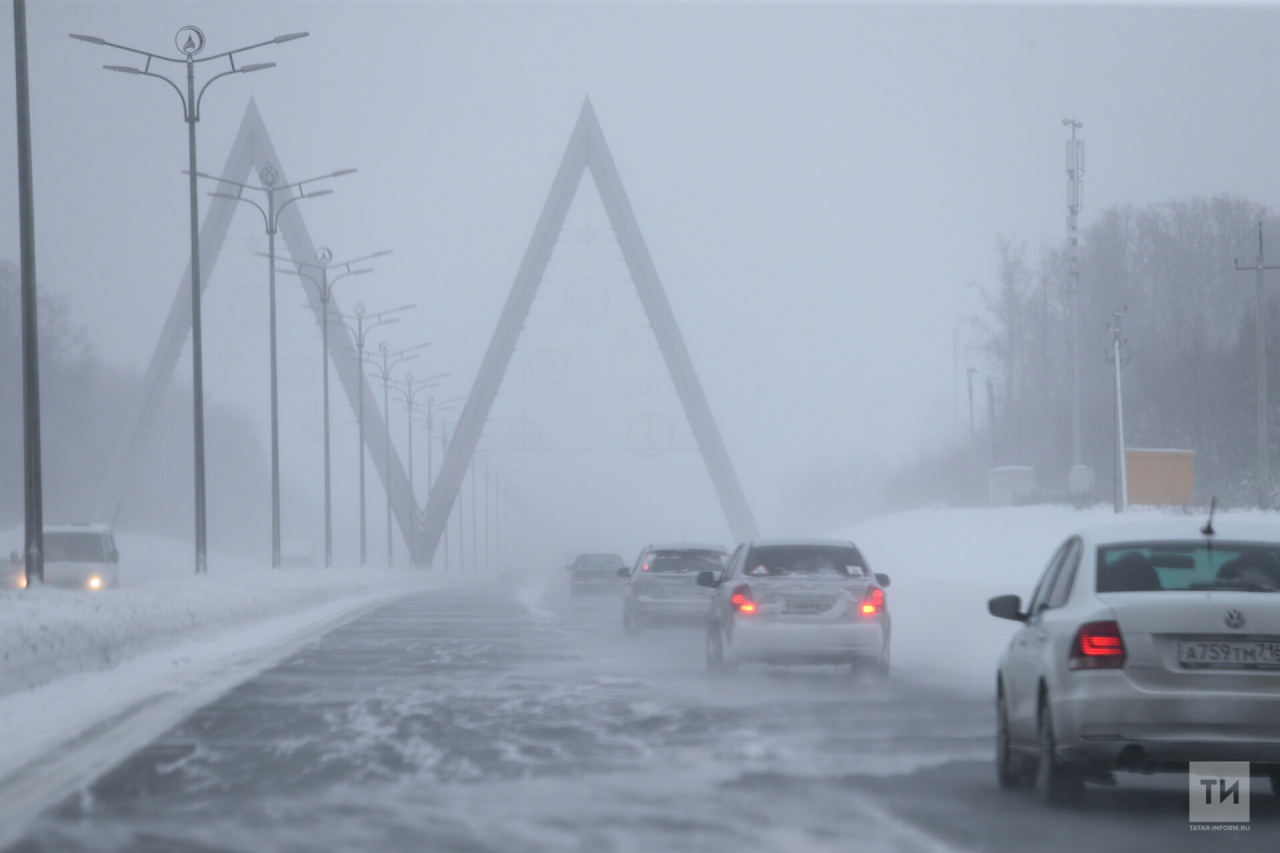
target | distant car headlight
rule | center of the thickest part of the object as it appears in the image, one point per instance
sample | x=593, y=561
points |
x=21, y=582
x=95, y=582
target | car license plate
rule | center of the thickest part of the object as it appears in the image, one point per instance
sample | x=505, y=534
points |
x=808, y=605
x=1229, y=654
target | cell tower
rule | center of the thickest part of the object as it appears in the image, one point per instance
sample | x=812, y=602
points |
x=1080, y=480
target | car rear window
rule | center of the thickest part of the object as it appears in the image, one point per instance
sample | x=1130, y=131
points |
x=599, y=561
x=73, y=548
x=810, y=560
x=1189, y=565
x=683, y=562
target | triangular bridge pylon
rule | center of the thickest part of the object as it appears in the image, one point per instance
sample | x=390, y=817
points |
x=586, y=150
x=251, y=151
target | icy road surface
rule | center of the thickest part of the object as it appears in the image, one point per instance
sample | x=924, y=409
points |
x=472, y=719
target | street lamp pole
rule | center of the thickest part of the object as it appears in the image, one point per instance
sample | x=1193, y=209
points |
x=1080, y=478
x=389, y=360
x=190, y=42
x=434, y=408
x=33, y=480
x=1260, y=353
x=361, y=333
x=325, y=287
x=271, y=219
x=409, y=390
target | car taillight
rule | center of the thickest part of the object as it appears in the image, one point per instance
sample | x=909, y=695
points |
x=647, y=558
x=741, y=600
x=872, y=602
x=1098, y=645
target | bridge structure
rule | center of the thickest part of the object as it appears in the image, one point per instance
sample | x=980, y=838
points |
x=423, y=527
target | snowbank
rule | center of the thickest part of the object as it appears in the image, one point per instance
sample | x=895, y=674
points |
x=50, y=633
x=946, y=563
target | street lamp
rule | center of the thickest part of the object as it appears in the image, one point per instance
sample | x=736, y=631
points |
x=434, y=408
x=190, y=42
x=361, y=334
x=389, y=360
x=409, y=388
x=33, y=479
x=324, y=286
x=271, y=218
x=991, y=409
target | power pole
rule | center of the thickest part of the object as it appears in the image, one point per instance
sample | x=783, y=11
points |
x=1080, y=480
x=1260, y=350
x=1118, y=356
x=33, y=497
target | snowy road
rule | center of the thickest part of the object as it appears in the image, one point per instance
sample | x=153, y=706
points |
x=471, y=719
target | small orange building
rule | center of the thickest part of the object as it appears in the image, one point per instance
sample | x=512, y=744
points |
x=1161, y=477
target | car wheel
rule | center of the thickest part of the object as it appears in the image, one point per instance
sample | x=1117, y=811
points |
x=880, y=669
x=719, y=661
x=630, y=624
x=1056, y=783
x=1009, y=771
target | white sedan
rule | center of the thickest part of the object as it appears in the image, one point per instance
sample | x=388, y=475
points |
x=800, y=601
x=1146, y=644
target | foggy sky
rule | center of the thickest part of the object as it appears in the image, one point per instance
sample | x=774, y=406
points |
x=819, y=185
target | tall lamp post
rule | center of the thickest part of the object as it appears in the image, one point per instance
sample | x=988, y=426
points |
x=361, y=335
x=1260, y=353
x=33, y=499
x=1080, y=478
x=435, y=408
x=324, y=285
x=385, y=362
x=190, y=42
x=991, y=409
x=271, y=219
x=409, y=388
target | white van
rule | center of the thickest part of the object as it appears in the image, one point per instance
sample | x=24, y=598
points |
x=81, y=555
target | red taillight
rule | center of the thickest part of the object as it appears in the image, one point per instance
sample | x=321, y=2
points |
x=741, y=600
x=872, y=602
x=1098, y=645
x=645, y=567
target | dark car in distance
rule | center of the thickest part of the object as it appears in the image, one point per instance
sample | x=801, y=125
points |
x=595, y=574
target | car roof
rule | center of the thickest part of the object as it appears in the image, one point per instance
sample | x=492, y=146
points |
x=687, y=546
x=77, y=528
x=800, y=541
x=1138, y=529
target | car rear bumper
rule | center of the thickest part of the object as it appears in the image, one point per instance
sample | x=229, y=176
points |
x=595, y=587
x=831, y=642
x=676, y=610
x=1106, y=718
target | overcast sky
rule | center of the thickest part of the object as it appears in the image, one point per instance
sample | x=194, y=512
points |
x=819, y=185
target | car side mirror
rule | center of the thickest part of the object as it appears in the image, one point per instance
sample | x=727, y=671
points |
x=624, y=572
x=882, y=579
x=707, y=579
x=1007, y=607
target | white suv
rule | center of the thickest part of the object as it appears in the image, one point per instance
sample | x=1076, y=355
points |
x=81, y=555
x=1146, y=644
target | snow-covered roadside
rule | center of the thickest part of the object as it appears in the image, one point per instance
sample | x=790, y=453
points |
x=48, y=633
x=945, y=563
x=86, y=678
